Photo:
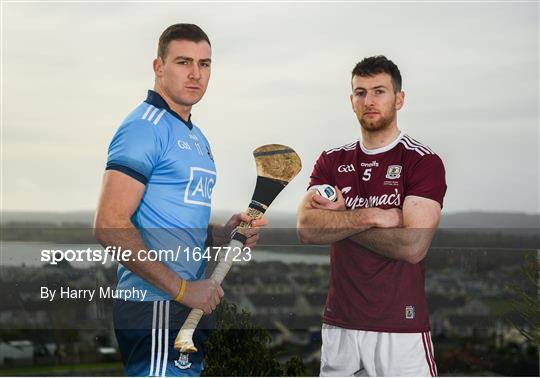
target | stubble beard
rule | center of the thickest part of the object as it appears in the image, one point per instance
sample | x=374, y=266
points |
x=184, y=99
x=179, y=98
x=374, y=126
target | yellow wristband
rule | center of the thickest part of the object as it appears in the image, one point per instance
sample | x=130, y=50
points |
x=181, y=291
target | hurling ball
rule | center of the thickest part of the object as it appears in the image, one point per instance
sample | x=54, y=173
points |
x=327, y=191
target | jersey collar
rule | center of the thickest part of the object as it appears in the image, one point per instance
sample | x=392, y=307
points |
x=388, y=147
x=153, y=98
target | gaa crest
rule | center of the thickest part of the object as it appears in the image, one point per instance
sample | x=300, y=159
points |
x=183, y=361
x=410, y=312
x=393, y=172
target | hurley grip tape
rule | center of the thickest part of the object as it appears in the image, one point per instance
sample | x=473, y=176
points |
x=254, y=211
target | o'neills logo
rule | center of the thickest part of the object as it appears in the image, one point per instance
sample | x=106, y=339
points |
x=352, y=203
x=374, y=163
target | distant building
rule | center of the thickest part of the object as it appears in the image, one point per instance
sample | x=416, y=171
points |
x=16, y=353
x=469, y=326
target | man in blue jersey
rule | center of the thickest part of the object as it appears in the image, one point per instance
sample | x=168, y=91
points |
x=155, y=202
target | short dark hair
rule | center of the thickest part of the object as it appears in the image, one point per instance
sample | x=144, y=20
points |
x=374, y=65
x=179, y=32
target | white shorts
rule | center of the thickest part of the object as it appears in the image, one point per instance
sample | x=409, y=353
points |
x=348, y=352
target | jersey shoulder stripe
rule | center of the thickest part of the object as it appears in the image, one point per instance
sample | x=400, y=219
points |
x=412, y=145
x=410, y=148
x=160, y=114
x=148, y=109
x=153, y=114
x=414, y=142
x=346, y=147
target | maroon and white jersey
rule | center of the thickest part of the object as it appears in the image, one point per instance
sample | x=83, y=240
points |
x=368, y=291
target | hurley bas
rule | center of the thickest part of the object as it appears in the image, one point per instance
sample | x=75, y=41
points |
x=65, y=292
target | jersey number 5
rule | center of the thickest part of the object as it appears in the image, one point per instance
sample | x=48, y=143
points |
x=367, y=174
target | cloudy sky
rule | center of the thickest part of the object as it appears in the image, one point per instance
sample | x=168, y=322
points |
x=281, y=71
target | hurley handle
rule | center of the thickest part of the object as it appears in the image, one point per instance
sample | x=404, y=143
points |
x=184, y=339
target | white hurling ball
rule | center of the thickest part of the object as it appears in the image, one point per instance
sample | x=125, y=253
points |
x=327, y=191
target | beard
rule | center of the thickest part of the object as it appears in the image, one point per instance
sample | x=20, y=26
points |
x=380, y=124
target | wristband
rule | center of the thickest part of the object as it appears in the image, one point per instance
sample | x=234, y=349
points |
x=181, y=291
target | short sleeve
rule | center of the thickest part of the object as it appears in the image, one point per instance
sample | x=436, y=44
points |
x=321, y=172
x=134, y=150
x=427, y=179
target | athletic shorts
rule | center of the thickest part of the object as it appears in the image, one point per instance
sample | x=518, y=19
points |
x=348, y=352
x=146, y=331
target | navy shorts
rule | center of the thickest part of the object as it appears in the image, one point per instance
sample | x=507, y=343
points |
x=146, y=331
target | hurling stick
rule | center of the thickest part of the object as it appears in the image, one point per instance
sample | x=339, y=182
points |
x=277, y=165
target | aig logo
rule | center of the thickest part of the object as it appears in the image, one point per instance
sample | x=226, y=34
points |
x=346, y=168
x=200, y=186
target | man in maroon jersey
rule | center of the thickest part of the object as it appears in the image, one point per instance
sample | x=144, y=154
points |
x=390, y=191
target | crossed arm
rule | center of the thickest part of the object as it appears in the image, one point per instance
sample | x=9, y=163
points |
x=402, y=235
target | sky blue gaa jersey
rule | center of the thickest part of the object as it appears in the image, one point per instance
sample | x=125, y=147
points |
x=172, y=158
